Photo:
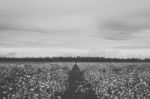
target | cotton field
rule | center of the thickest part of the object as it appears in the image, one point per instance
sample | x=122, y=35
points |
x=41, y=80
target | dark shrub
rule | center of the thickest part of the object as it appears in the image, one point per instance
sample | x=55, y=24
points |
x=77, y=87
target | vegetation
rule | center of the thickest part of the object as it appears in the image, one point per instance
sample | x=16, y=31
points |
x=82, y=81
x=72, y=59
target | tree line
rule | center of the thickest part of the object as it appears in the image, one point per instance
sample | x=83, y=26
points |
x=72, y=59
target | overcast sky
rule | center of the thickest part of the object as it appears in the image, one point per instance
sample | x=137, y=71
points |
x=109, y=28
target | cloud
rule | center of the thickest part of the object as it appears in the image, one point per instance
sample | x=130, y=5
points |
x=132, y=47
x=76, y=26
x=45, y=16
x=75, y=23
x=104, y=53
x=14, y=27
x=122, y=26
x=9, y=54
x=115, y=35
x=12, y=54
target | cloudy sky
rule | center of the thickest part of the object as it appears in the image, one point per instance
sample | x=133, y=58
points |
x=109, y=28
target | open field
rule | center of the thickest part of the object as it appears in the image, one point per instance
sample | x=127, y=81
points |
x=40, y=80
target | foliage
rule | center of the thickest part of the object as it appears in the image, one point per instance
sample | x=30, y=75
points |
x=107, y=80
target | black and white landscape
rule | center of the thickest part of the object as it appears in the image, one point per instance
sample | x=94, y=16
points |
x=74, y=49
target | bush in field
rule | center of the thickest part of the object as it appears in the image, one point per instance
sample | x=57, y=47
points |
x=75, y=78
x=77, y=87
